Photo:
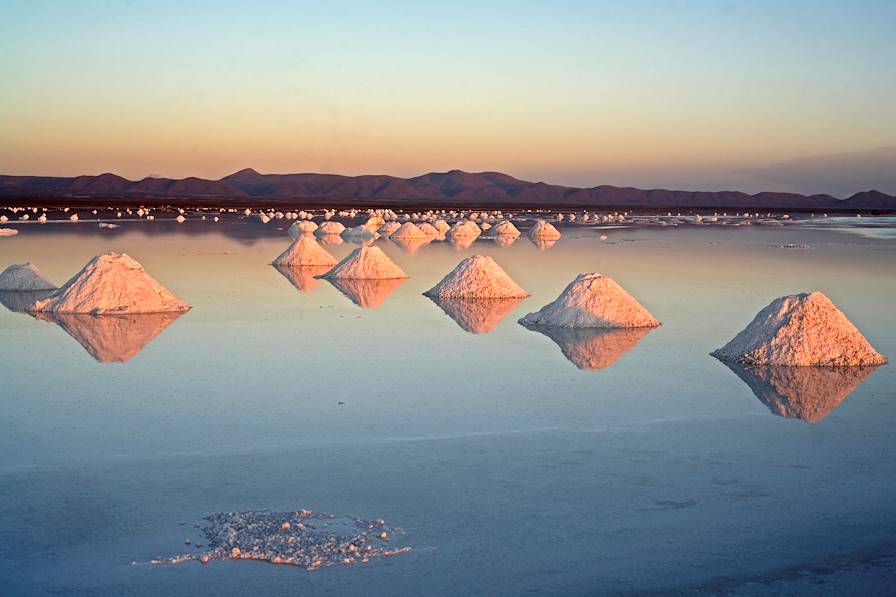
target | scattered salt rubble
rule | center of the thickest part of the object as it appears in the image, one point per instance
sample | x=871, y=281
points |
x=297, y=229
x=8, y=231
x=503, y=228
x=304, y=278
x=464, y=228
x=330, y=228
x=24, y=277
x=111, y=283
x=801, y=330
x=477, y=277
x=593, y=301
x=367, y=294
x=112, y=338
x=592, y=349
x=366, y=263
x=544, y=231
x=304, y=538
x=305, y=251
x=477, y=316
x=409, y=231
x=806, y=393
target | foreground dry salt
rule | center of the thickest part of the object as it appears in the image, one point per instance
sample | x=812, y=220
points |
x=302, y=538
x=801, y=330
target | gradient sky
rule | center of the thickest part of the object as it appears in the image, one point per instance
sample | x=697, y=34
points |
x=662, y=93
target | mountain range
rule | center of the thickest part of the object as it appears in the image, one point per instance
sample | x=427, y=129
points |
x=455, y=187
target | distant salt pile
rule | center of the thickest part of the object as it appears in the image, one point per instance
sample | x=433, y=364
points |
x=305, y=251
x=801, y=330
x=544, y=231
x=464, y=228
x=477, y=277
x=429, y=230
x=8, y=231
x=111, y=283
x=302, y=538
x=366, y=263
x=504, y=228
x=388, y=228
x=24, y=277
x=330, y=228
x=441, y=225
x=409, y=231
x=359, y=234
x=299, y=228
x=374, y=223
x=593, y=301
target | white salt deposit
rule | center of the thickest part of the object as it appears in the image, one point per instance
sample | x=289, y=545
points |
x=429, y=230
x=504, y=228
x=366, y=263
x=477, y=277
x=388, y=228
x=111, y=283
x=544, y=231
x=305, y=251
x=801, y=330
x=24, y=277
x=409, y=231
x=299, y=228
x=8, y=231
x=330, y=228
x=593, y=301
x=464, y=228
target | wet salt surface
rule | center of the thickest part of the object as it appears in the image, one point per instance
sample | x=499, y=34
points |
x=514, y=461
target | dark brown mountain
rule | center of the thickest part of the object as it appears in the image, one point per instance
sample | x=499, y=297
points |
x=436, y=188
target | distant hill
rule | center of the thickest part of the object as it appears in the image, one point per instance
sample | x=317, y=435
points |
x=436, y=188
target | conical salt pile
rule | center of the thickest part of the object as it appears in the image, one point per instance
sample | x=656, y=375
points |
x=388, y=228
x=330, y=228
x=304, y=227
x=464, y=228
x=544, y=231
x=442, y=226
x=366, y=263
x=111, y=283
x=409, y=231
x=801, y=330
x=477, y=277
x=305, y=251
x=504, y=228
x=24, y=277
x=429, y=230
x=593, y=301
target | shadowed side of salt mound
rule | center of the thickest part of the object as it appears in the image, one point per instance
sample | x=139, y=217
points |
x=477, y=316
x=24, y=277
x=112, y=338
x=807, y=393
x=303, y=538
x=366, y=263
x=801, y=330
x=23, y=299
x=113, y=283
x=593, y=301
x=592, y=349
x=367, y=294
x=305, y=251
x=305, y=278
x=477, y=277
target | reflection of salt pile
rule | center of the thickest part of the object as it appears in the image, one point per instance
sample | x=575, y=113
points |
x=505, y=240
x=409, y=231
x=329, y=228
x=543, y=244
x=544, y=230
x=366, y=263
x=23, y=278
x=807, y=393
x=801, y=330
x=304, y=227
x=462, y=242
x=477, y=277
x=111, y=283
x=593, y=301
x=303, y=251
x=304, y=278
x=303, y=538
x=367, y=294
x=359, y=235
x=478, y=316
x=112, y=338
x=410, y=245
x=592, y=349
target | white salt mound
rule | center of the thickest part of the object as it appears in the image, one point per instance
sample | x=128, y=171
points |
x=477, y=277
x=593, y=301
x=305, y=251
x=504, y=228
x=801, y=330
x=544, y=231
x=388, y=228
x=111, y=283
x=441, y=225
x=428, y=229
x=366, y=263
x=409, y=231
x=24, y=277
x=464, y=228
x=330, y=228
x=297, y=229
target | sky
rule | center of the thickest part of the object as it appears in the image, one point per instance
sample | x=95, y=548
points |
x=696, y=95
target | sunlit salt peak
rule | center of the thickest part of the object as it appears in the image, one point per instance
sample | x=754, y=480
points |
x=108, y=284
x=388, y=228
x=297, y=229
x=366, y=263
x=593, y=301
x=409, y=231
x=477, y=277
x=504, y=228
x=544, y=231
x=330, y=228
x=801, y=330
x=464, y=228
x=24, y=277
x=305, y=251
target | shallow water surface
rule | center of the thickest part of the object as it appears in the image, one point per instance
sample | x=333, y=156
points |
x=515, y=460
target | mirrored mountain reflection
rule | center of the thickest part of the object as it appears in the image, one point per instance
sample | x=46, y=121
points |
x=477, y=316
x=592, y=349
x=806, y=393
x=367, y=294
x=303, y=277
x=19, y=301
x=112, y=338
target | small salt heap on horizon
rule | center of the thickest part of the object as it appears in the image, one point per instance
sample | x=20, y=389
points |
x=477, y=277
x=366, y=263
x=504, y=228
x=305, y=251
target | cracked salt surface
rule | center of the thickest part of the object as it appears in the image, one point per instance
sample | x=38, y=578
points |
x=301, y=538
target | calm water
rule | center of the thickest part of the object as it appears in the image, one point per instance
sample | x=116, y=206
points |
x=516, y=462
